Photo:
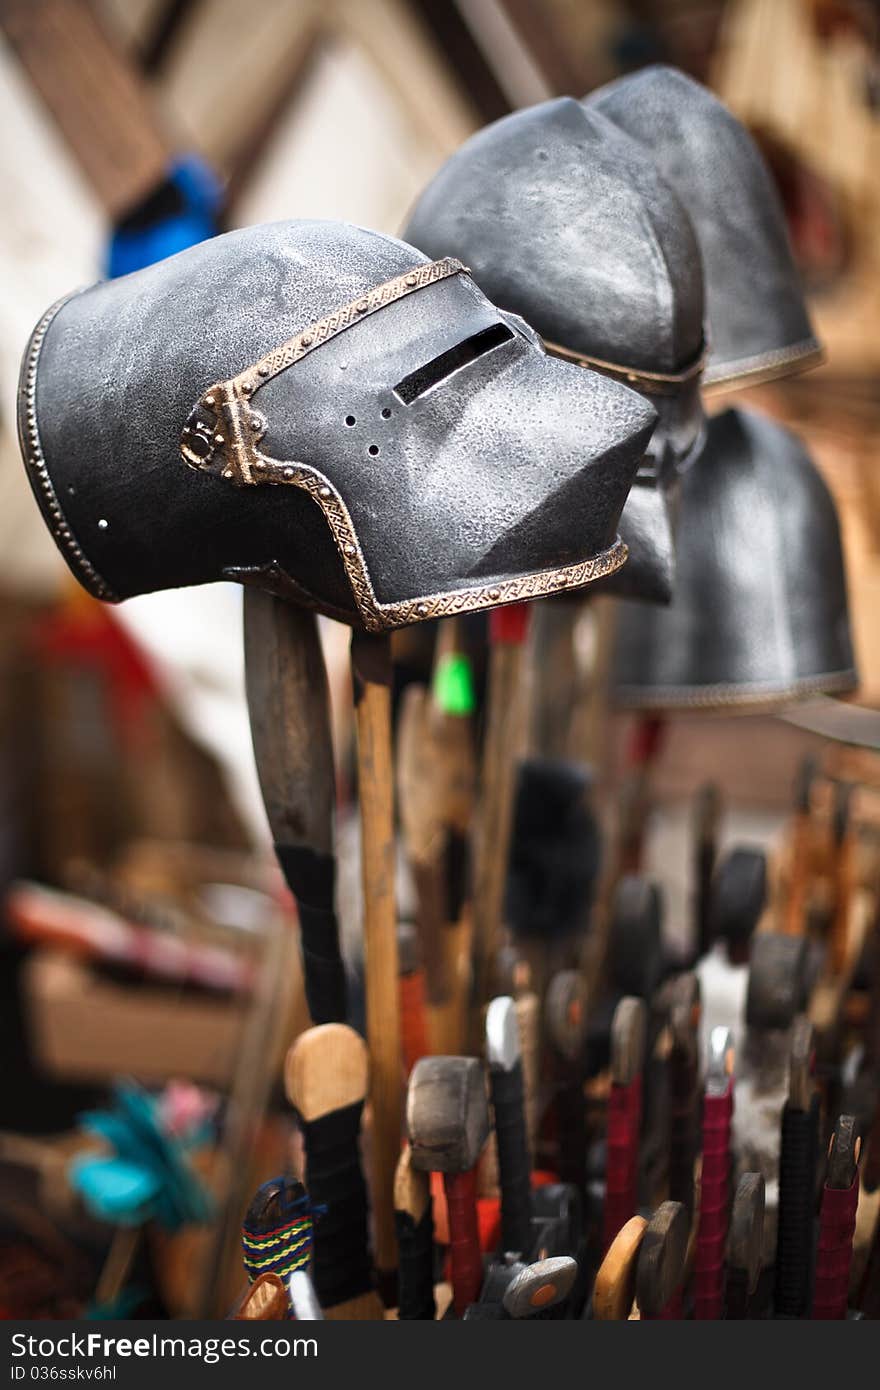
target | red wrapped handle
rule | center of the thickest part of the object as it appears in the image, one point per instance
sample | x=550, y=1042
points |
x=837, y=1224
x=509, y=624
x=714, y=1206
x=464, y=1239
x=622, y=1166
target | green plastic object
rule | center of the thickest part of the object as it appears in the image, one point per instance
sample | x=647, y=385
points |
x=454, y=684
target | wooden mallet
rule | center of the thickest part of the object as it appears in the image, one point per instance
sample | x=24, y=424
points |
x=447, y=1117
x=745, y=1245
x=615, y=1286
x=325, y=1077
x=661, y=1263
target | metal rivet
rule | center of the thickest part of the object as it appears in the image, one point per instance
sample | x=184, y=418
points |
x=289, y=473
x=246, y=388
x=362, y=307
x=218, y=439
x=494, y=593
x=350, y=549
x=255, y=422
x=103, y=524
x=307, y=340
x=411, y=279
x=422, y=608
x=262, y=371
x=209, y=400
x=227, y=472
x=325, y=492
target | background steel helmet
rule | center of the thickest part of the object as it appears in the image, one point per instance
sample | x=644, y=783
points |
x=320, y=410
x=760, y=609
x=566, y=222
x=758, y=322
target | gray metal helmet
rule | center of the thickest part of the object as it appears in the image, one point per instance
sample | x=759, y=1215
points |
x=758, y=322
x=760, y=611
x=565, y=221
x=320, y=410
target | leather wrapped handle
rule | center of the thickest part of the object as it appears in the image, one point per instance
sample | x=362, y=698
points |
x=508, y=1104
x=342, y=1265
x=622, y=1168
x=797, y=1185
x=311, y=880
x=714, y=1206
x=415, y=1244
x=464, y=1239
x=837, y=1225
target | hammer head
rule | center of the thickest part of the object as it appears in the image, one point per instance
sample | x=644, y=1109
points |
x=777, y=980
x=628, y=1028
x=447, y=1114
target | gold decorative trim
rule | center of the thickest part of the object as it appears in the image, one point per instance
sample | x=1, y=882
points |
x=752, y=695
x=765, y=366
x=222, y=437
x=38, y=471
x=223, y=430
x=652, y=383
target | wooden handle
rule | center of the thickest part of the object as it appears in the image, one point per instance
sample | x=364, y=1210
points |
x=464, y=1239
x=371, y=669
x=97, y=96
x=289, y=710
x=505, y=727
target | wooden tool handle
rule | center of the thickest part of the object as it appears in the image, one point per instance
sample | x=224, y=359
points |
x=505, y=727
x=837, y=1225
x=714, y=1205
x=289, y=710
x=464, y=1239
x=371, y=670
x=508, y=1103
x=797, y=1185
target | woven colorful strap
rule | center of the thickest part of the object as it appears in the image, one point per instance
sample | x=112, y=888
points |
x=282, y=1250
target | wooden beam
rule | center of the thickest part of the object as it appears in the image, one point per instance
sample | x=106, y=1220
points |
x=94, y=93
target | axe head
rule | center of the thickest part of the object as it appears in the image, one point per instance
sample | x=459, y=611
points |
x=447, y=1113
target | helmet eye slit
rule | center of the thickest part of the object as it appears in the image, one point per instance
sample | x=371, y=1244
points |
x=461, y=355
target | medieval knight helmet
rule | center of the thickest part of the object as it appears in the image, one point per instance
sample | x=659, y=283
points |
x=760, y=611
x=758, y=322
x=565, y=221
x=320, y=410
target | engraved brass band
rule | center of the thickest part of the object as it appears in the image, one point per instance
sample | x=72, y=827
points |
x=222, y=437
x=651, y=383
x=223, y=431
